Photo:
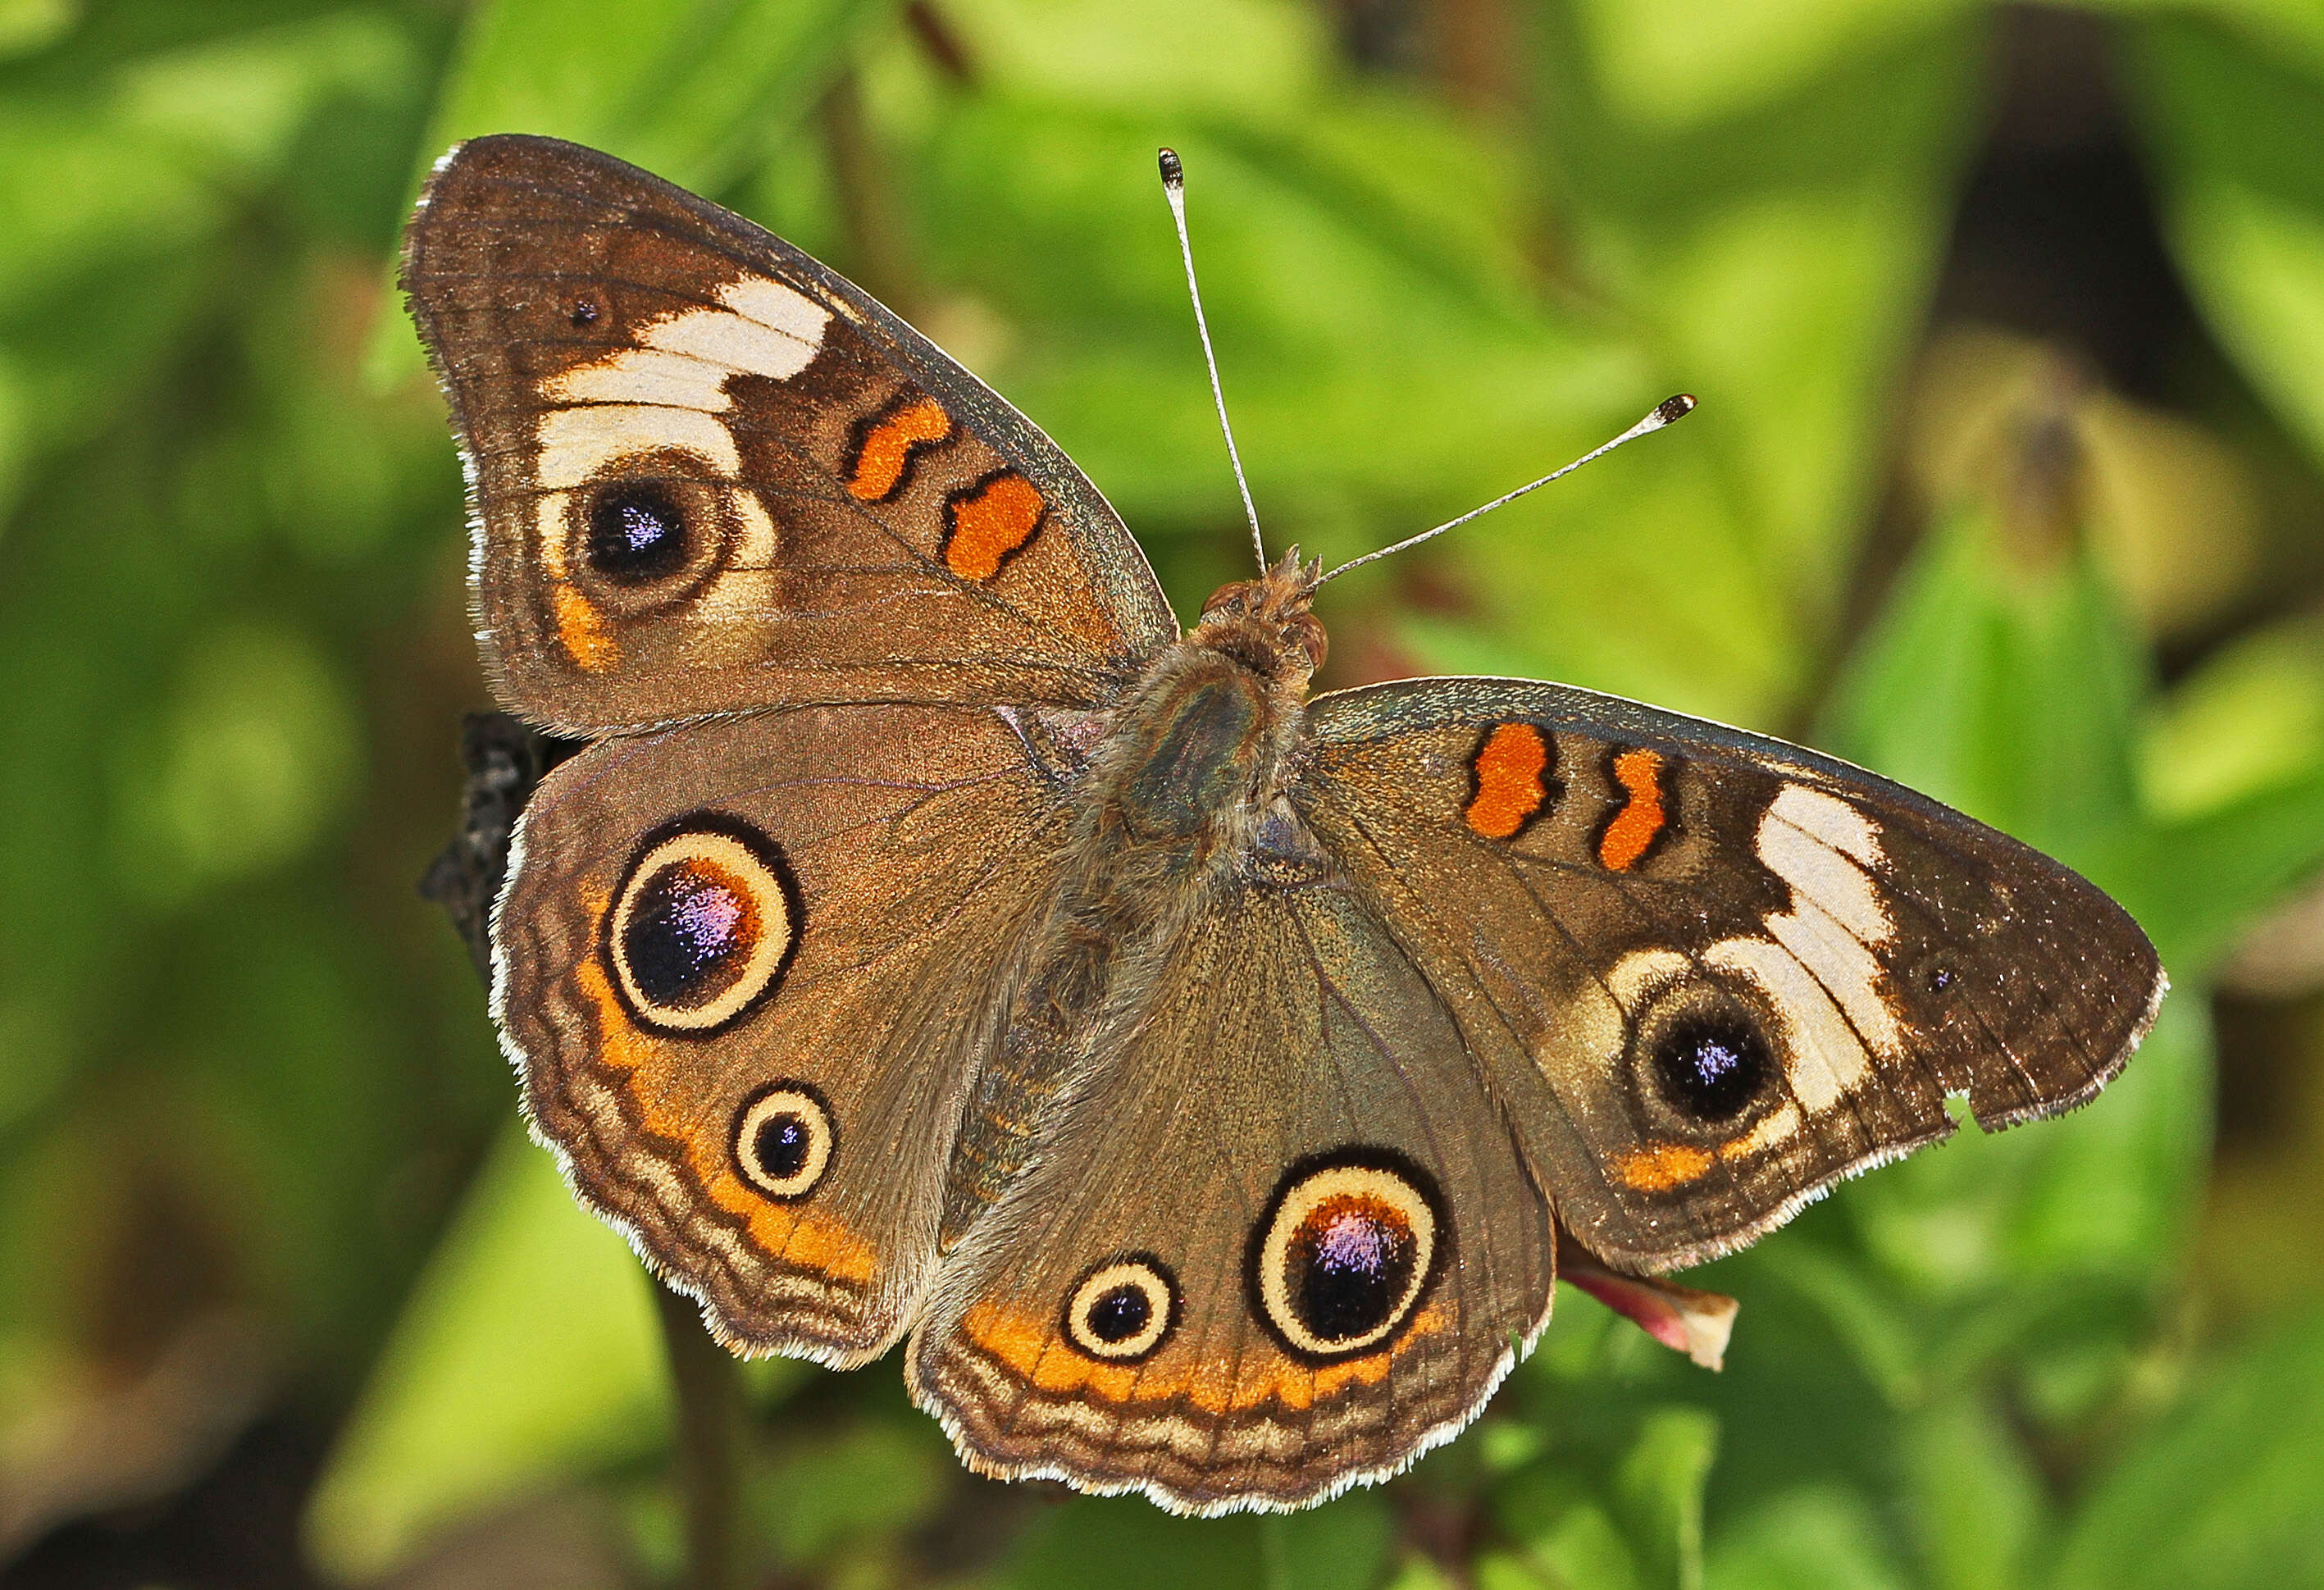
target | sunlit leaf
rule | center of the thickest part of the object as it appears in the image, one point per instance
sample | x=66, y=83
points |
x=2000, y=680
x=1135, y=55
x=1658, y=1488
x=2234, y=131
x=1675, y=64
x=255, y=752
x=528, y=1351
x=1816, y=1539
x=234, y=106
x=694, y=90
x=2250, y=718
x=1977, y=1505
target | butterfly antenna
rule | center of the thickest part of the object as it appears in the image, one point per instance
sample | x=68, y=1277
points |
x=1173, y=186
x=1666, y=411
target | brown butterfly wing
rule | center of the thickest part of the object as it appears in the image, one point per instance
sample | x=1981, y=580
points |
x=1712, y=973
x=1195, y=1292
x=710, y=474
x=745, y=967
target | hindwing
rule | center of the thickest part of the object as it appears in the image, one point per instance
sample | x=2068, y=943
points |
x=1284, y=1241
x=746, y=969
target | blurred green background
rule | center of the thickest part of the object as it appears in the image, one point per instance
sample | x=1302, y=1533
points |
x=2008, y=326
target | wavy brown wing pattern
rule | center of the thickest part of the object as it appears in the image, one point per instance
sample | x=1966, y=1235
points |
x=710, y=474
x=745, y=969
x=1283, y=1242
x=1712, y=973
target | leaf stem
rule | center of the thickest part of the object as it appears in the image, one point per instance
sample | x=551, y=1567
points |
x=709, y=1385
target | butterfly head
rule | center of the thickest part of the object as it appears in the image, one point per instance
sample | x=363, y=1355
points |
x=1264, y=623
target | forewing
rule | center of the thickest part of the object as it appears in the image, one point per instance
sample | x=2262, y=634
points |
x=710, y=474
x=1283, y=1242
x=1713, y=973
x=745, y=969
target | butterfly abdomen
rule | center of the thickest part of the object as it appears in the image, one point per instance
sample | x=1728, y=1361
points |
x=1175, y=789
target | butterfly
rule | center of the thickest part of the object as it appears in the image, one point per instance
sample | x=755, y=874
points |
x=1202, y=1080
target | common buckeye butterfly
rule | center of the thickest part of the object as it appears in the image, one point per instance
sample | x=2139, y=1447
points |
x=937, y=946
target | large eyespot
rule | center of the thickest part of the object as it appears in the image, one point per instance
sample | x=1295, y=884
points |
x=784, y=1140
x=1703, y=1054
x=638, y=533
x=1123, y=1311
x=1710, y=1065
x=650, y=530
x=702, y=925
x=1347, y=1249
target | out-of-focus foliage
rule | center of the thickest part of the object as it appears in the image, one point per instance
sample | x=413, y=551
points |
x=268, y=1229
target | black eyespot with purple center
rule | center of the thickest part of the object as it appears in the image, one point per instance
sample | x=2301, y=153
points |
x=703, y=926
x=1711, y=1065
x=1347, y=1248
x=638, y=533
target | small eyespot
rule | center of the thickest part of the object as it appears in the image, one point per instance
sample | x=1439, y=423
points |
x=1347, y=1249
x=584, y=311
x=1939, y=978
x=1710, y=1065
x=637, y=533
x=702, y=925
x=784, y=1140
x=1123, y=1311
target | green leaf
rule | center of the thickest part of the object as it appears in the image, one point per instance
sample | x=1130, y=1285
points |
x=1382, y=366
x=2232, y=127
x=692, y=90
x=1581, y=1544
x=872, y=1480
x=2222, y=1494
x=1877, y=1339
x=252, y=758
x=695, y=91
x=2002, y=677
x=1619, y=1497
x=105, y=247
x=1676, y=64
x=2106, y=1190
x=2199, y=882
x=233, y=107
x=1343, y=1545
x=528, y=1351
x=1773, y=257
x=1816, y=1538
x=2249, y=718
x=1133, y=54
x=1659, y=1486
x=1977, y=1503
x=2003, y=683
x=1129, y=1544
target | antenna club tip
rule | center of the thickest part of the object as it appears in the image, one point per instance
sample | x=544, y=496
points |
x=1174, y=174
x=1674, y=408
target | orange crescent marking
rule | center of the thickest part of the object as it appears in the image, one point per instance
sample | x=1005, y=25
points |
x=1509, y=790
x=1661, y=1166
x=989, y=526
x=798, y=1236
x=888, y=448
x=1033, y=1350
x=581, y=631
x=1642, y=816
